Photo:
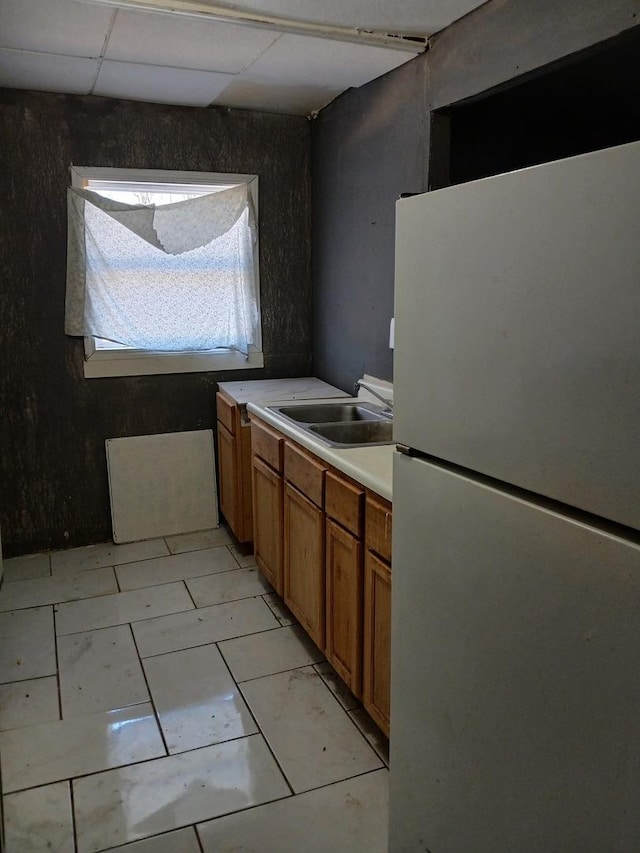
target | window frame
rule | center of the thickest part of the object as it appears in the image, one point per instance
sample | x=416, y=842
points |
x=100, y=363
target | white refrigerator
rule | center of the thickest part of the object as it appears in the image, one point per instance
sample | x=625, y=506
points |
x=515, y=695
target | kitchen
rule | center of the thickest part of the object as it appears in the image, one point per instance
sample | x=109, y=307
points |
x=362, y=152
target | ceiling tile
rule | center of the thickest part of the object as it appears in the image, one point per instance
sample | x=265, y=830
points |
x=171, y=40
x=291, y=99
x=336, y=65
x=46, y=72
x=54, y=26
x=155, y=84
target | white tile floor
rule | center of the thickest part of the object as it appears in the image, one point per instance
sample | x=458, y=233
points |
x=159, y=698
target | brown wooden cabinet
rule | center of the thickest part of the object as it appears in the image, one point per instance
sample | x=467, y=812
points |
x=268, y=501
x=344, y=507
x=377, y=640
x=304, y=545
x=377, y=613
x=304, y=589
x=234, y=468
x=344, y=605
x=268, y=521
x=325, y=546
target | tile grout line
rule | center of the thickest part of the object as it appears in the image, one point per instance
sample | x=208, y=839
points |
x=73, y=816
x=258, y=726
x=191, y=598
x=183, y=580
x=198, y=839
x=211, y=642
x=151, y=699
x=138, y=763
x=55, y=646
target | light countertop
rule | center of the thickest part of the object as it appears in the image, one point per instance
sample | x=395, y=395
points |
x=370, y=465
x=301, y=388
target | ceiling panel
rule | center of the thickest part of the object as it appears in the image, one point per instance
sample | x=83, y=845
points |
x=46, y=72
x=302, y=60
x=54, y=26
x=265, y=95
x=185, y=42
x=151, y=83
x=419, y=17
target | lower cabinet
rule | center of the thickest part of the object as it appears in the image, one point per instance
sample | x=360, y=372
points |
x=344, y=605
x=327, y=551
x=228, y=476
x=304, y=586
x=268, y=521
x=377, y=640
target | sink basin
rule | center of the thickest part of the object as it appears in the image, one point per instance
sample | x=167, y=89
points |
x=331, y=413
x=354, y=434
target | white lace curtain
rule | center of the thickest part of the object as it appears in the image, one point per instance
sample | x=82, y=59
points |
x=173, y=277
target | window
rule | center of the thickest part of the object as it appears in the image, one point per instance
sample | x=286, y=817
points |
x=182, y=350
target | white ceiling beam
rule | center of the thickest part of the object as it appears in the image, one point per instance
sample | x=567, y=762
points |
x=194, y=9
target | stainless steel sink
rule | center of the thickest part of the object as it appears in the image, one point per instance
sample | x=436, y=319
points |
x=331, y=413
x=354, y=434
x=344, y=424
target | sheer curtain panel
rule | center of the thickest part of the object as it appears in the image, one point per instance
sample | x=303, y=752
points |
x=175, y=277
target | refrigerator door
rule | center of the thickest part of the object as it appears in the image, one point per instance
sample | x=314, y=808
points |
x=515, y=704
x=517, y=346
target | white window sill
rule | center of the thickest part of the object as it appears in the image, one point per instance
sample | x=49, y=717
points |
x=102, y=363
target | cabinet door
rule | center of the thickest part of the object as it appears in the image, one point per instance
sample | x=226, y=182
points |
x=268, y=521
x=228, y=477
x=344, y=578
x=377, y=640
x=304, y=562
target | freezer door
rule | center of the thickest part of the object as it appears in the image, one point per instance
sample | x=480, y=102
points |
x=515, y=697
x=517, y=346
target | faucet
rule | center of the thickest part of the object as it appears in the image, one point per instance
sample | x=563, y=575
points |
x=388, y=403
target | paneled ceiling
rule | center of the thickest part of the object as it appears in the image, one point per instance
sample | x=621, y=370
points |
x=286, y=56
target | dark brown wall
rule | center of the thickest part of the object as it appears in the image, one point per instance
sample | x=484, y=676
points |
x=53, y=482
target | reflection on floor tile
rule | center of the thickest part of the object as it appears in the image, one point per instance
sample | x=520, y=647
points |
x=53, y=751
x=27, y=644
x=39, y=819
x=24, y=568
x=202, y=626
x=196, y=699
x=100, y=671
x=198, y=618
x=279, y=609
x=105, y=554
x=40, y=591
x=181, y=841
x=176, y=567
x=175, y=791
x=273, y=651
x=194, y=541
x=376, y=738
x=309, y=733
x=337, y=686
x=123, y=607
x=230, y=586
x=347, y=817
x=27, y=703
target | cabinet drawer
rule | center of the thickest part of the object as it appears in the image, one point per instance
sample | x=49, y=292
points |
x=226, y=412
x=344, y=502
x=267, y=444
x=305, y=473
x=378, y=527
